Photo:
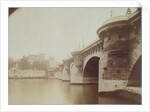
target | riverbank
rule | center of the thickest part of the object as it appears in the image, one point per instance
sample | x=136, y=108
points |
x=27, y=77
x=17, y=73
x=134, y=93
x=129, y=94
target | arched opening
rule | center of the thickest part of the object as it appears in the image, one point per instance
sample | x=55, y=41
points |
x=135, y=76
x=90, y=74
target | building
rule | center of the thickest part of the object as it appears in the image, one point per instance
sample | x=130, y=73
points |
x=32, y=58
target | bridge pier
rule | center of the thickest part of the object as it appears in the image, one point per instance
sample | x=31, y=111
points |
x=59, y=73
x=112, y=76
x=66, y=69
x=76, y=68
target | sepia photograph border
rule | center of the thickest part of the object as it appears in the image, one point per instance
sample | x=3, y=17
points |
x=101, y=108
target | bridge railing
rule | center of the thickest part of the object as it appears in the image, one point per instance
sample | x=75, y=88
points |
x=92, y=48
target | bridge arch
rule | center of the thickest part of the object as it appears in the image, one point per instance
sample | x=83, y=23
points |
x=135, y=75
x=87, y=58
x=91, y=70
x=135, y=67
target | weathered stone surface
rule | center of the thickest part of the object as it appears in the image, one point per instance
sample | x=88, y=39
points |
x=111, y=85
x=76, y=74
x=66, y=69
x=121, y=50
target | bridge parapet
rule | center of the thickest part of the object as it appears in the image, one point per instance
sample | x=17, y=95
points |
x=118, y=31
x=92, y=48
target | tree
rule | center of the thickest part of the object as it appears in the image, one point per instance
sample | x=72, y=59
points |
x=11, y=63
x=39, y=65
x=24, y=64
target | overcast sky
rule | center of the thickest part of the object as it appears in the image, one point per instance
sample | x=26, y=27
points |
x=55, y=32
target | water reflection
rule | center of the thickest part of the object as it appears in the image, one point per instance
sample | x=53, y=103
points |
x=53, y=91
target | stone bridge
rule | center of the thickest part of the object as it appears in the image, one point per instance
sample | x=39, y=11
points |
x=113, y=61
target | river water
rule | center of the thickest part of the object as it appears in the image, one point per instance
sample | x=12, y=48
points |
x=54, y=91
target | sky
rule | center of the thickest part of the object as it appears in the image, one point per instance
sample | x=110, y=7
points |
x=55, y=32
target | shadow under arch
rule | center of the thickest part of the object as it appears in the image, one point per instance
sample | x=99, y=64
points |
x=135, y=77
x=91, y=70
